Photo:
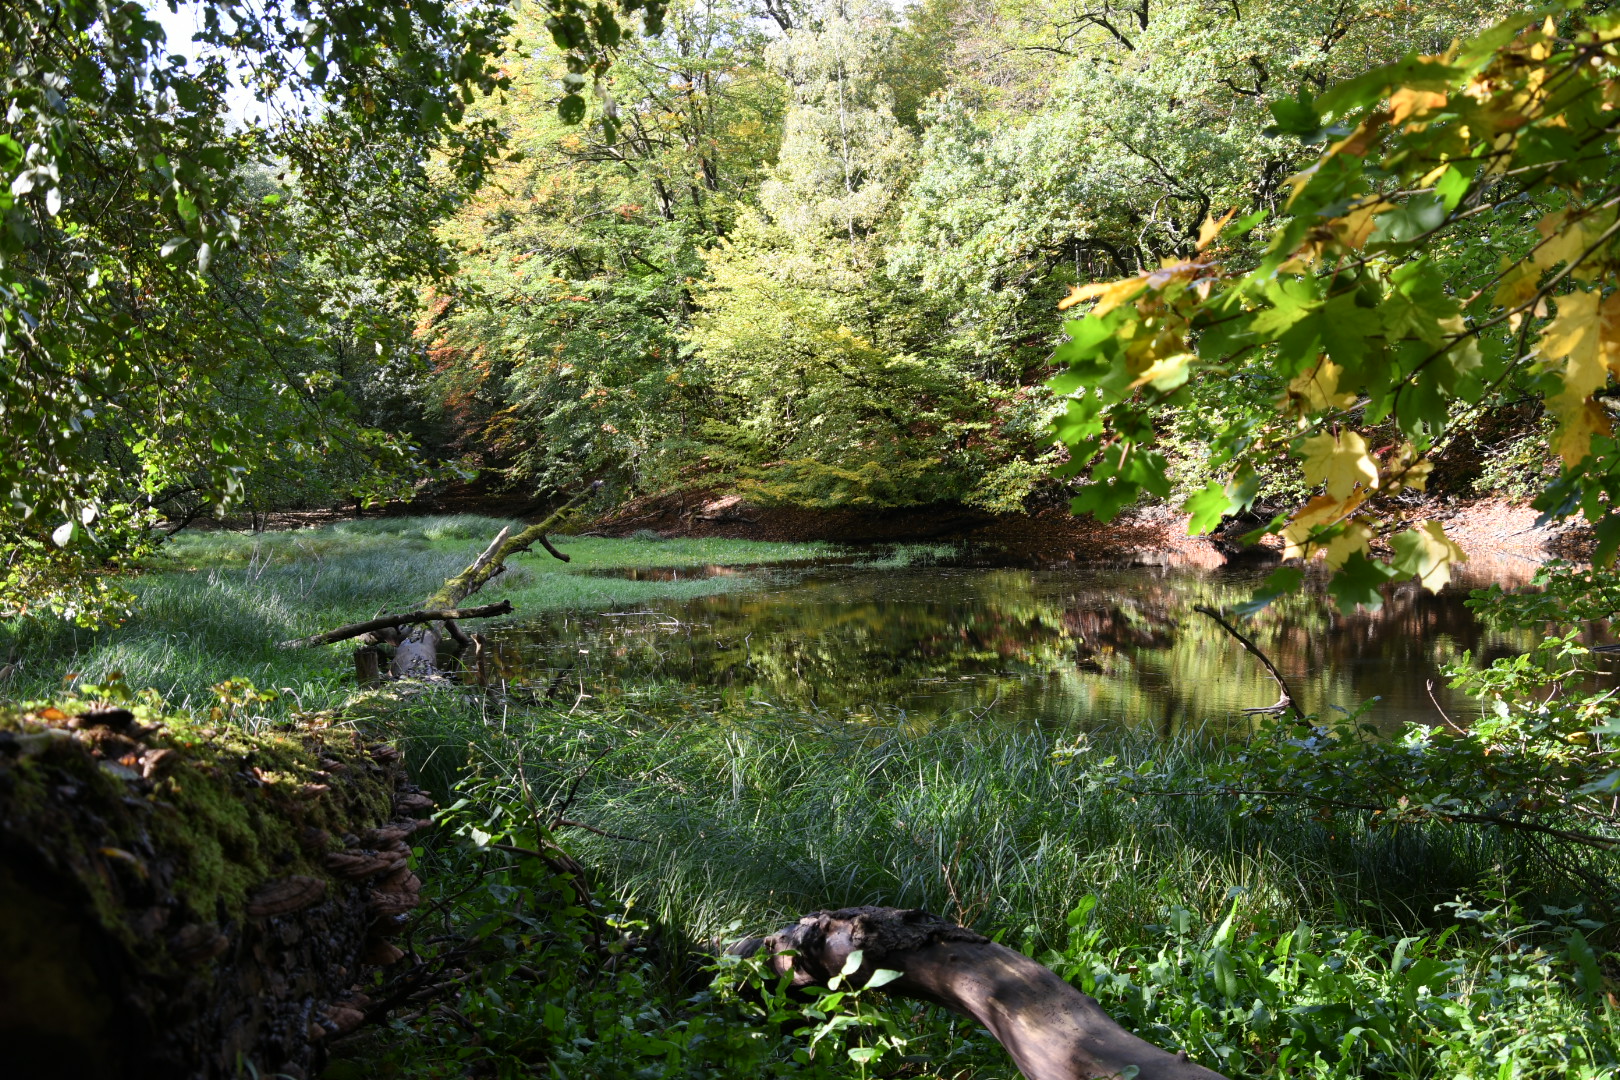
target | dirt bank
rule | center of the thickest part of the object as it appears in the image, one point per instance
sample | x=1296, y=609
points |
x=1491, y=530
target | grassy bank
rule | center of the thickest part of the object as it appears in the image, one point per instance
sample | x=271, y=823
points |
x=214, y=605
x=1285, y=945
x=1280, y=946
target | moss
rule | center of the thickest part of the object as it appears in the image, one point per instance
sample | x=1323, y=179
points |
x=222, y=812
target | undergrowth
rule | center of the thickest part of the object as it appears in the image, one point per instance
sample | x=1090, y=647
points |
x=1284, y=946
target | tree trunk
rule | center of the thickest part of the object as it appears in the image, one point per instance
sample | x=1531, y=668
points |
x=179, y=901
x=1052, y=1030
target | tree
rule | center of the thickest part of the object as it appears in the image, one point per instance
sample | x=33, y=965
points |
x=1452, y=244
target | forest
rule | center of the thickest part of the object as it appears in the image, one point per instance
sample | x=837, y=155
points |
x=946, y=539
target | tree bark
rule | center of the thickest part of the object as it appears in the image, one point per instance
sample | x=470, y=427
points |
x=1052, y=1030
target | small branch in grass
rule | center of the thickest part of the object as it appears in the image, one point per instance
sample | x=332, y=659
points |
x=387, y=622
x=1287, y=702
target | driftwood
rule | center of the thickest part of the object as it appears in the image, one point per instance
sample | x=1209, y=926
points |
x=1052, y=1030
x=388, y=622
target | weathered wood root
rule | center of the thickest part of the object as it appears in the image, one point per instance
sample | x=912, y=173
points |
x=1052, y=1030
x=177, y=901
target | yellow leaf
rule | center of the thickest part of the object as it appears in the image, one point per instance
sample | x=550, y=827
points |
x=1341, y=463
x=1576, y=337
x=1318, y=388
x=1355, y=227
x=1320, y=511
x=1577, y=423
x=1407, y=470
x=1362, y=139
x=1356, y=536
x=1562, y=241
x=1407, y=102
x=1210, y=229
x=1108, y=294
x=1518, y=285
x=1428, y=553
x=1165, y=373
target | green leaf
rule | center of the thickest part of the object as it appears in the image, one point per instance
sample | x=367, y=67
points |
x=186, y=208
x=1451, y=188
x=852, y=963
x=1357, y=581
x=1207, y=508
x=882, y=977
x=571, y=108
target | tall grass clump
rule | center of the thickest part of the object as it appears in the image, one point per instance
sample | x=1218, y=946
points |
x=1273, y=946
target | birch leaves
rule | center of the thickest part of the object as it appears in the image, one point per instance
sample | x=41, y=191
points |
x=1379, y=308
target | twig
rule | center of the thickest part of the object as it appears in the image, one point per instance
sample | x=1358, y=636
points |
x=1285, y=703
x=1428, y=684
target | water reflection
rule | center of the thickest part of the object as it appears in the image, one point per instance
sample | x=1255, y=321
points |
x=1086, y=648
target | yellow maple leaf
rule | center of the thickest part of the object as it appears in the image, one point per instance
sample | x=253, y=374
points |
x=1407, y=470
x=1428, y=553
x=1341, y=463
x=1166, y=372
x=1355, y=536
x=1577, y=423
x=1318, y=388
x=1108, y=294
x=1320, y=511
x=1563, y=240
x=1407, y=102
x=1210, y=229
x=1358, y=224
x=1576, y=337
x=1518, y=285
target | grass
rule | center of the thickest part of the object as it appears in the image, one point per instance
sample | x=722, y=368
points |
x=1265, y=946
x=217, y=604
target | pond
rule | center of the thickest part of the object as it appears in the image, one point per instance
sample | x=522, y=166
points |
x=1072, y=649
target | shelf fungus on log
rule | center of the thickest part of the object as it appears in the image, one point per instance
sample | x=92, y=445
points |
x=177, y=899
x=1052, y=1030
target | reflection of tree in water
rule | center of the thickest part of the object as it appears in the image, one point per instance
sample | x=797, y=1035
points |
x=1121, y=647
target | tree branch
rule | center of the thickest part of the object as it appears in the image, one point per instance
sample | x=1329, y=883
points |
x=386, y=622
x=1287, y=702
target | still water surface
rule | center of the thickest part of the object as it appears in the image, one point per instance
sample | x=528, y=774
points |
x=1074, y=648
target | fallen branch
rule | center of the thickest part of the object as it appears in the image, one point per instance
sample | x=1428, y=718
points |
x=493, y=561
x=1287, y=702
x=1051, y=1030
x=388, y=622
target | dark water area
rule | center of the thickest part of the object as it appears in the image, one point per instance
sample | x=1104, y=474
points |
x=1071, y=649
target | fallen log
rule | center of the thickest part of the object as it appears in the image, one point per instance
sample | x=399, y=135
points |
x=416, y=652
x=186, y=901
x=388, y=622
x=1052, y=1030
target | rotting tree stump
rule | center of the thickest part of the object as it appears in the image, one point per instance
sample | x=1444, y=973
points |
x=1051, y=1030
x=181, y=901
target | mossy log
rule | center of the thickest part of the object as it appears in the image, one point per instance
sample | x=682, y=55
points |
x=1051, y=1030
x=180, y=901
